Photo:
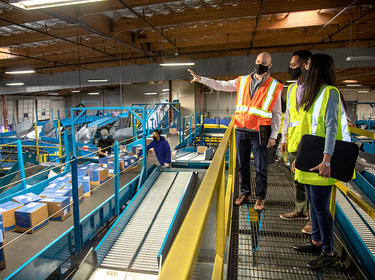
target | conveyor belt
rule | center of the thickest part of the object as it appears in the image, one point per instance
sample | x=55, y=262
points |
x=261, y=243
x=138, y=245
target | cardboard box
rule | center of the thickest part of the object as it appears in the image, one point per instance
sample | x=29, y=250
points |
x=136, y=149
x=98, y=176
x=2, y=230
x=173, y=131
x=48, y=193
x=26, y=198
x=69, y=186
x=53, y=187
x=83, y=171
x=121, y=165
x=31, y=217
x=60, y=182
x=7, y=212
x=58, y=207
x=201, y=149
x=85, y=181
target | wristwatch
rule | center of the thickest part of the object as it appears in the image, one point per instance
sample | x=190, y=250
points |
x=328, y=164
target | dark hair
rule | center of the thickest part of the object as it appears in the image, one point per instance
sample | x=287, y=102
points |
x=321, y=72
x=157, y=131
x=303, y=56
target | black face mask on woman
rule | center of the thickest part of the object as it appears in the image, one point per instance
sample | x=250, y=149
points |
x=260, y=69
x=154, y=137
x=294, y=72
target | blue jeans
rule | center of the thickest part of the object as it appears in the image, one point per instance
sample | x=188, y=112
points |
x=245, y=142
x=321, y=218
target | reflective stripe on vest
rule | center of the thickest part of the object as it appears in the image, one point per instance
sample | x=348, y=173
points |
x=344, y=125
x=260, y=113
x=242, y=108
x=242, y=88
x=270, y=93
x=316, y=111
x=293, y=124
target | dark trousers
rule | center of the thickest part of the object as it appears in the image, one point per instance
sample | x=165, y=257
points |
x=301, y=205
x=245, y=142
x=321, y=218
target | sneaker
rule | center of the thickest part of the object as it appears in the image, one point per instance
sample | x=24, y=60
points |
x=307, y=228
x=321, y=261
x=293, y=216
x=308, y=248
x=259, y=205
x=241, y=200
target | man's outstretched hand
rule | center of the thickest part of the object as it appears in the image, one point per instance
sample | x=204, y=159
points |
x=196, y=78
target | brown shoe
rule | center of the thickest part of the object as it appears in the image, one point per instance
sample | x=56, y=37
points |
x=241, y=200
x=259, y=205
x=307, y=228
x=293, y=216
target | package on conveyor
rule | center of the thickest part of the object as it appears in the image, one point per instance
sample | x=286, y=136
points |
x=26, y=198
x=173, y=131
x=60, y=181
x=7, y=212
x=136, y=149
x=98, y=176
x=129, y=160
x=68, y=187
x=58, y=207
x=111, y=168
x=83, y=171
x=31, y=217
x=85, y=181
x=2, y=242
x=53, y=187
x=201, y=149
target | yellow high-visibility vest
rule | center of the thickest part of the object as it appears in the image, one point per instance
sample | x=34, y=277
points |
x=292, y=115
x=312, y=122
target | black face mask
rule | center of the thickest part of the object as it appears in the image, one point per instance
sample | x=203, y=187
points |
x=260, y=69
x=294, y=72
x=153, y=137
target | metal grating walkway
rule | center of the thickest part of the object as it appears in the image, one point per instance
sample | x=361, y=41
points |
x=261, y=243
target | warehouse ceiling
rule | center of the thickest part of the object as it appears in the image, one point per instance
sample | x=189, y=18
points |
x=134, y=32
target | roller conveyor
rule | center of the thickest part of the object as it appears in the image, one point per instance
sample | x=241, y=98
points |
x=137, y=245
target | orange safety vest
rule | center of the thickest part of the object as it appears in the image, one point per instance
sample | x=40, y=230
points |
x=252, y=112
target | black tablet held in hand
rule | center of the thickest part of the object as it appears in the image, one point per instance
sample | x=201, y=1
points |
x=310, y=154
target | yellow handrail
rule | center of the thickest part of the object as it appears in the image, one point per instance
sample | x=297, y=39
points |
x=182, y=256
x=362, y=132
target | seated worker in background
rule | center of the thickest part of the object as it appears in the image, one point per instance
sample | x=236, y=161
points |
x=105, y=144
x=161, y=147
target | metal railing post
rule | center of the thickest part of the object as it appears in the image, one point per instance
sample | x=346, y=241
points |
x=21, y=163
x=37, y=141
x=77, y=226
x=183, y=131
x=191, y=125
x=117, y=182
x=60, y=146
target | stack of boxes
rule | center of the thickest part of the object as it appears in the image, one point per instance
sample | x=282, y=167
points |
x=7, y=212
x=31, y=217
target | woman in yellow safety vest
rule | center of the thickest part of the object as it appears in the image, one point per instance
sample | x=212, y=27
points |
x=322, y=114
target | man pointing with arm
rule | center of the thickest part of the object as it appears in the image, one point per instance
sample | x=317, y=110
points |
x=257, y=122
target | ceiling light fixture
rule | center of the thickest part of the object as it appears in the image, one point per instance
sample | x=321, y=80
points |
x=177, y=64
x=75, y=91
x=291, y=81
x=41, y=4
x=151, y=93
x=350, y=81
x=360, y=58
x=354, y=85
x=97, y=80
x=15, y=84
x=93, y=93
x=363, y=91
x=18, y=72
x=165, y=89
